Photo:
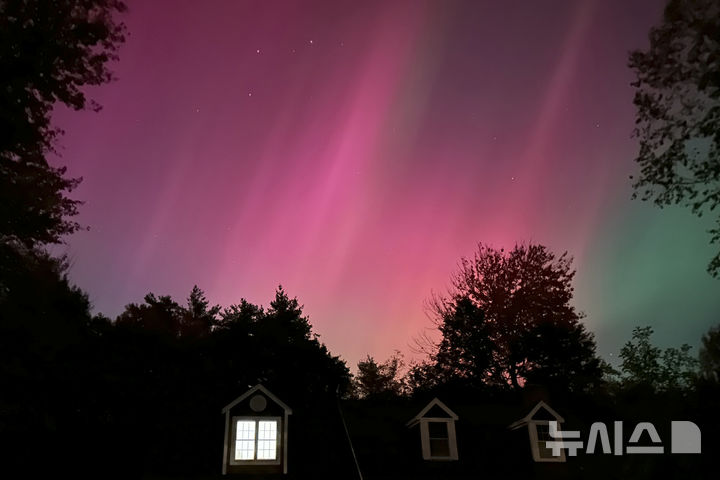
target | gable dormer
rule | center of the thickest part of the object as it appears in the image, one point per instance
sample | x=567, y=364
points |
x=437, y=431
x=256, y=427
x=537, y=422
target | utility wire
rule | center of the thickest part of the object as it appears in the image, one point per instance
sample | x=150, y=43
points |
x=347, y=434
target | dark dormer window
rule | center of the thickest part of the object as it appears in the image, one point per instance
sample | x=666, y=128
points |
x=439, y=438
x=437, y=431
x=538, y=425
x=539, y=436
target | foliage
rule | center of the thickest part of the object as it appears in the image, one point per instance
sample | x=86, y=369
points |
x=640, y=358
x=70, y=378
x=467, y=349
x=644, y=364
x=49, y=51
x=198, y=317
x=379, y=379
x=423, y=375
x=710, y=354
x=678, y=110
x=38, y=303
x=276, y=346
x=43, y=320
x=508, y=320
x=158, y=314
x=285, y=314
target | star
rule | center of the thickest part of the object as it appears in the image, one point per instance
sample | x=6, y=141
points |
x=257, y=51
x=311, y=42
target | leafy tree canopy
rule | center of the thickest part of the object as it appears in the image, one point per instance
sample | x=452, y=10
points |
x=646, y=365
x=49, y=51
x=710, y=354
x=508, y=320
x=375, y=379
x=678, y=110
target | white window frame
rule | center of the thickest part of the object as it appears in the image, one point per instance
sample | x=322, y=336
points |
x=534, y=442
x=255, y=461
x=425, y=438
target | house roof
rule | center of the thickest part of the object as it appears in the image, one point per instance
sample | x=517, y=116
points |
x=387, y=449
x=531, y=416
x=435, y=402
x=254, y=389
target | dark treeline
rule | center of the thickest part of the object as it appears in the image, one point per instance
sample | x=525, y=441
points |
x=140, y=395
x=148, y=387
x=80, y=393
x=507, y=322
x=507, y=334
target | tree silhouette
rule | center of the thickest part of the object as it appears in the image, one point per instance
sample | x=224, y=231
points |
x=49, y=51
x=158, y=314
x=198, y=318
x=188, y=361
x=285, y=314
x=467, y=347
x=379, y=379
x=276, y=346
x=644, y=364
x=508, y=320
x=710, y=354
x=563, y=356
x=678, y=110
x=44, y=324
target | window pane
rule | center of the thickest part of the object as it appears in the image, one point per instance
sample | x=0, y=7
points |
x=267, y=449
x=438, y=429
x=245, y=440
x=256, y=440
x=544, y=451
x=245, y=430
x=543, y=435
x=267, y=430
x=543, y=432
x=244, y=450
x=267, y=440
x=439, y=447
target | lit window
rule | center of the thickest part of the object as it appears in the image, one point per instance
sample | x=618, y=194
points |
x=267, y=440
x=245, y=440
x=256, y=440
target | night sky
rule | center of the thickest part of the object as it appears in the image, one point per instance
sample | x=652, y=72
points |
x=354, y=151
